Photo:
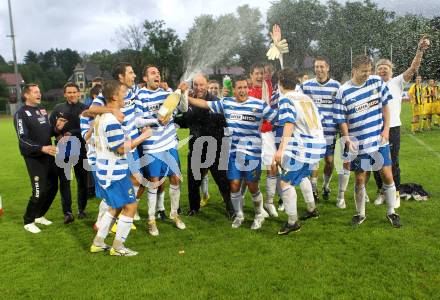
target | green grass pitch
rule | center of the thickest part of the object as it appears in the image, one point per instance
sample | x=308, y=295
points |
x=326, y=259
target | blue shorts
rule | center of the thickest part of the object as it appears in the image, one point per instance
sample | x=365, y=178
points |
x=134, y=162
x=119, y=193
x=278, y=132
x=330, y=145
x=161, y=164
x=241, y=166
x=295, y=177
x=98, y=193
x=372, y=161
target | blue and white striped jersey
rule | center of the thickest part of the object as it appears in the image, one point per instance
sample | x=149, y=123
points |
x=324, y=97
x=307, y=144
x=148, y=104
x=128, y=110
x=109, y=136
x=85, y=124
x=243, y=120
x=361, y=108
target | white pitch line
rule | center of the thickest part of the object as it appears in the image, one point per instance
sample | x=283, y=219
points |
x=430, y=149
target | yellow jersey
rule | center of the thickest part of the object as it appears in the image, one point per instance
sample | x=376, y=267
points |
x=415, y=92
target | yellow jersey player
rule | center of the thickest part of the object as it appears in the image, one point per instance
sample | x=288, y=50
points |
x=429, y=95
x=415, y=94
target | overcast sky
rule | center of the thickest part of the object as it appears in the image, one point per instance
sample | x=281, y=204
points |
x=90, y=25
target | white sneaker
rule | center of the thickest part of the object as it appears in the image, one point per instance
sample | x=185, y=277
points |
x=264, y=213
x=380, y=199
x=178, y=222
x=367, y=199
x=237, y=222
x=152, y=228
x=122, y=252
x=136, y=216
x=258, y=221
x=271, y=209
x=43, y=221
x=32, y=228
x=340, y=203
x=281, y=207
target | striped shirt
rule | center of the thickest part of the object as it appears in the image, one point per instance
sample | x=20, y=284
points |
x=243, y=120
x=307, y=144
x=109, y=136
x=85, y=124
x=148, y=103
x=128, y=110
x=361, y=108
x=324, y=97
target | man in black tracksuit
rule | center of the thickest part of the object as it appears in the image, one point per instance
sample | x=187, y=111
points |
x=34, y=139
x=71, y=111
x=203, y=123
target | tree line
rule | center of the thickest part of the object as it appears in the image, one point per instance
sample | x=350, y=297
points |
x=312, y=28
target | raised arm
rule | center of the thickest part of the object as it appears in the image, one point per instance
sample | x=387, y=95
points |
x=422, y=46
x=198, y=102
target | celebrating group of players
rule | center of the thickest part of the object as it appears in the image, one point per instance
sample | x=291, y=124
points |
x=132, y=148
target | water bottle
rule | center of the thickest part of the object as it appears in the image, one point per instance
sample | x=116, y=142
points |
x=227, y=83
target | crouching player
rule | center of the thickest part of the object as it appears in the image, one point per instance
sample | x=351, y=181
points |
x=113, y=172
x=302, y=146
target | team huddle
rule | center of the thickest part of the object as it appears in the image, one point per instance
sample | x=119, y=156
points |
x=285, y=128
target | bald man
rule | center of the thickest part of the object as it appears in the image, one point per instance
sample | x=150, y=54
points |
x=203, y=124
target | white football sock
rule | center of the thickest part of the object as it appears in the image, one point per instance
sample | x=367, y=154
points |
x=257, y=199
x=152, y=199
x=271, y=185
x=160, y=203
x=124, y=227
x=106, y=223
x=359, y=192
x=175, y=198
x=343, y=179
x=306, y=190
x=390, y=197
x=289, y=199
x=103, y=208
x=236, y=203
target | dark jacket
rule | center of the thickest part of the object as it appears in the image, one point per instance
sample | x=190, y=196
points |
x=70, y=112
x=202, y=122
x=33, y=130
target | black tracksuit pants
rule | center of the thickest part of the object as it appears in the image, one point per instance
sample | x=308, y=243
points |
x=82, y=187
x=394, y=149
x=44, y=180
x=219, y=177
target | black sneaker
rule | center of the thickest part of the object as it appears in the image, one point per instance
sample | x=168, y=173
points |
x=179, y=211
x=310, y=214
x=316, y=197
x=357, y=220
x=68, y=218
x=82, y=215
x=192, y=212
x=289, y=228
x=326, y=194
x=161, y=215
x=395, y=220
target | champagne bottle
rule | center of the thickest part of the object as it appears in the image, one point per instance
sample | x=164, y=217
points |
x=227, y=83
x=170, y=104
